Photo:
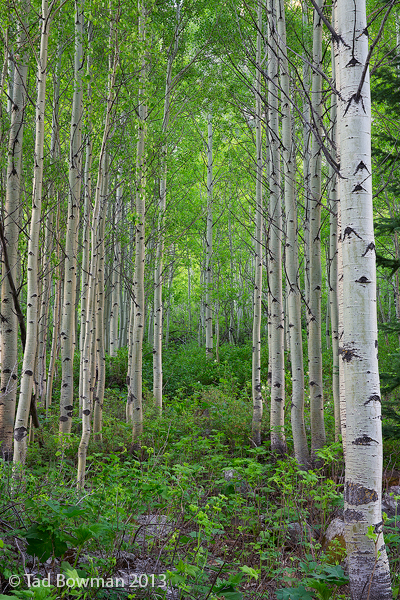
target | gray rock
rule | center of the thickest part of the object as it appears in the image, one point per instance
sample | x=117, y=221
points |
x=297, y=533
x=156, y=526
x=241, y=486
x=333, y=542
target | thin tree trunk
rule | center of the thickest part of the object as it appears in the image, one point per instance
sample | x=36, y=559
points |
x=28, y=366
x=116, y=275
x=278, y=442
x=158, y=271
x=96, y=227
x=333, y=265
x=135, y=390
x=10, y=233
x=209, y=242
x=100, y=302
x=258, y=251
x=71, y=239
x=318, y=437
x=292, y=262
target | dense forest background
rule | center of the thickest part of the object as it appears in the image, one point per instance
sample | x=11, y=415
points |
x=173, y=339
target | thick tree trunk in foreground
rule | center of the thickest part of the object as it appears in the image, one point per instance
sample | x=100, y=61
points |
x=368, y=563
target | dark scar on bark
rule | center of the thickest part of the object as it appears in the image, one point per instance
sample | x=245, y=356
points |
x=373, y=398
x=20, y=433
x=361, y=166
x=363, y=279
x=348, y=231
x=371, y=246
x=353, y=62
x=347, y=355
x=357, y=494
x=352, y=515
x=364, y=440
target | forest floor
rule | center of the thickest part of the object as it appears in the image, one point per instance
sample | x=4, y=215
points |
x=194, y=511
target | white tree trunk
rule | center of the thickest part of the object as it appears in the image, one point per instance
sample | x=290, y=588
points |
x=209, y=242
x=258, y=250
x=89, y=348
x=10, y=236
x=291, y=252
x=116, y=274
x=314, y=322
x=135, y=390
x=158, y=271
x=278, y=442
x=71, y=239
x=333, y=263
x=368, y=563
x=28, y=366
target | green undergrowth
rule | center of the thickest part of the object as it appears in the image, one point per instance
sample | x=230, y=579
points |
x=240, y=522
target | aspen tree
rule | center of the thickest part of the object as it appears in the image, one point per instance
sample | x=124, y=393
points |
x=209, y=242
x=158, y=271
x=278, y=442
x=99, y=323
x=258, y=250
x=70, y=264
x=57, y=281
x=291, y=254
x=116, y=273
x=86, y=217
x=98, y=216
x=367, y=559
x=55, y=346
x=134, y=403
x=10, y=232
x=333, y=262
x=28, y=365
x=306, y=163
x=85, y=255
x=314, y=309
x=44, y=305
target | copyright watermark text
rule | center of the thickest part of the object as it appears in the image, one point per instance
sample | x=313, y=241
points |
x=136, y=580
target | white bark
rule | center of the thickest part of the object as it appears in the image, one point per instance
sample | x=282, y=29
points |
x=209, y=242
x=158, y=271
x=368, y=564
x=71, y=238
x=116, y=274
x=333, y=266
x=291, y=252
x=98, y=216
x=278, y=442
x=258, y=251
x=134, y=403
x=315, y=317
x=28, y=366
x=10, y=233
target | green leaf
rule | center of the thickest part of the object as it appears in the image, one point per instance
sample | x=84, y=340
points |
x=298, y=593
x=250, y=571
